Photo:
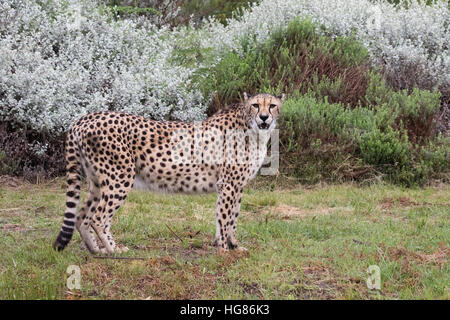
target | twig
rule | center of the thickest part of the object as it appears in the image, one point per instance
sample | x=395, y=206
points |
x=255, y=205
x=361, y=242
x=174, y=233
x=195, y=234
x=119, y=258
x=33, y=230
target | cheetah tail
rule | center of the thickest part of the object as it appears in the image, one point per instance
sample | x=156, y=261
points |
x=72, y=199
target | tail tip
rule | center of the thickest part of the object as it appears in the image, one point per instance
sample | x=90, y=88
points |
x=58, y=246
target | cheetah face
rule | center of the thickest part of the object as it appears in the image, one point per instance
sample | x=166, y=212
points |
x=264, y=110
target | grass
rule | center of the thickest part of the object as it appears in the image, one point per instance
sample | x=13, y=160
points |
x=314, y=243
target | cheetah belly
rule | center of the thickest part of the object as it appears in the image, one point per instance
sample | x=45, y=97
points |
x=257, y=164
x=186, y=184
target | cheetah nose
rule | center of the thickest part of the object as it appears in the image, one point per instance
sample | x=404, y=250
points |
x=264, y=117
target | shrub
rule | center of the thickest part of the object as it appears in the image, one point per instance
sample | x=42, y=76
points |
x=388, y=148
x=220, y=10
x=30, y=153
x=294, y=60
x=412, y=109
x=384, y=29
x=179, y=12
x=60, y=62
x=299, y=60
x=434, y=160
x=327, y=141
x=318, y=140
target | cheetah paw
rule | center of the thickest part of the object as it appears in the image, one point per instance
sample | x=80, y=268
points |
x=222, y=251
x=121, y=249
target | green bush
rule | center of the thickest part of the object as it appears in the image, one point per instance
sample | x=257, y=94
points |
x=180, y=12
x=413, y=110
x=388, y=149
x=221, y=10
x=306, y=116
x=325, y=141
x=295, y=60
x=320, y=140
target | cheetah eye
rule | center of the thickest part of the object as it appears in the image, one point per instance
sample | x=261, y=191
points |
x=272, y=106
x=255, y=105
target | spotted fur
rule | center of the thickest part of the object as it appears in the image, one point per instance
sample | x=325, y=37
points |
x=119, y=151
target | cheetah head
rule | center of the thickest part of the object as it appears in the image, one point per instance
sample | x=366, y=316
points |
x=263, y=110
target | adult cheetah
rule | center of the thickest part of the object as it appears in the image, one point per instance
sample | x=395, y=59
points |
x=117, y=151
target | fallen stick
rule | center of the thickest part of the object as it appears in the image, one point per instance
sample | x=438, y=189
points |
x=174, y=233
x=119, y=258
x=361, y=242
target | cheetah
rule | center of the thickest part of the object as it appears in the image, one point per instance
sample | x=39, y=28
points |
x=118, y=151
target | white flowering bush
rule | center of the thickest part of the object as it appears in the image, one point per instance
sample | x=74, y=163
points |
x=393, y=34
x=61, y=60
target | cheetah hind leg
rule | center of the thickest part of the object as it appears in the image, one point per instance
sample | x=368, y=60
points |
x=84, y=217
x=118, y=248
x=102, y=219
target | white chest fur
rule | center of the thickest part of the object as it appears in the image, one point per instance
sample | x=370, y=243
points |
x=259, y=154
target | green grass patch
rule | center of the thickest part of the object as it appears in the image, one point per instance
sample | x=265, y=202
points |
x=314, y=243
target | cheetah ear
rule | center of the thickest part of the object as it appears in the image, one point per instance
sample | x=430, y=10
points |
x=246, y=96
x=281, y=97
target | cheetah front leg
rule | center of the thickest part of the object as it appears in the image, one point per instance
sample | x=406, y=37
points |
x=227, y=211
x=236, y=208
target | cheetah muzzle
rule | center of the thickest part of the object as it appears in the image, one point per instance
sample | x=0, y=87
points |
x=119, y=151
